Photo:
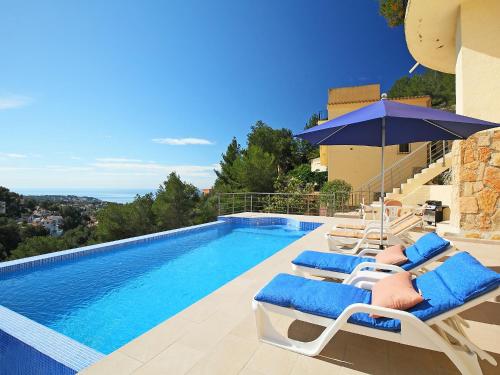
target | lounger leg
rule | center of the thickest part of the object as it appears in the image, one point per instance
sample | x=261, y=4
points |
x=465, y=360
x=358, y=245
x=464, y=341
x=339, y=246
x=269, y=335
x=297, y=271
x=265, y=329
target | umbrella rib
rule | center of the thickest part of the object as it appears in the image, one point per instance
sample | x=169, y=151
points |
x=331, y=135
x=442, y=128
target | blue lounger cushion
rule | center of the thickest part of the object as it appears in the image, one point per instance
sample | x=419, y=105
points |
x=444, y=288
x=331, y=262
x=280, y=290
x=466, y=278
x=426, y=247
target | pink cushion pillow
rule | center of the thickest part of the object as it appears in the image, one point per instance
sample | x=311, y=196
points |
x=392, y=255
x=395, y=292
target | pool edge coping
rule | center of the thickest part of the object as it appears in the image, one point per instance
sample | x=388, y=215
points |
x=52, y=344
x=28, y=262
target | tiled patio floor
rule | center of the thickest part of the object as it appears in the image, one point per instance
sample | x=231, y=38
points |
x=217, y=334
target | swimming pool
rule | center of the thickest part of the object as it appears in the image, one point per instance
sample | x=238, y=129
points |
x=107, y=298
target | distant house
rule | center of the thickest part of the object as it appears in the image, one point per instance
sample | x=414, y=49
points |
x=52, y=224
x=206, y=191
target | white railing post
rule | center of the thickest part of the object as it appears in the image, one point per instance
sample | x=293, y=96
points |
x=251, y=202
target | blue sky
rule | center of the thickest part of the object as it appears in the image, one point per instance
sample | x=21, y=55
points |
x=120, y=93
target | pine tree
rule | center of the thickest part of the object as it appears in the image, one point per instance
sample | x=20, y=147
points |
x=225, y=176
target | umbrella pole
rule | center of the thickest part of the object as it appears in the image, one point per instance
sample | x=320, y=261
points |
x=382, y=188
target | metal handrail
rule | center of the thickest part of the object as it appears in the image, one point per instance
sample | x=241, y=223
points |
x=397, y=173
x=376, y=178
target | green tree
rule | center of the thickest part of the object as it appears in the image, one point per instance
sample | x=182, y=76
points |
x=335, y=194
x=77, y=237
x=304, y=174
x=205, y=210
x=174, y=203
x=143, y=213
x=10, y=236
x=393, y=11
x=118, y=221
x=12, y=202
x=292, y=198
x=111, y=221
x=256, y=170
x=36, y=246
x=440, y=86
x=279, y=143
x=312, y=122
x=72, y=217
x=306, y=150
x=28, y=231
x=225, y=176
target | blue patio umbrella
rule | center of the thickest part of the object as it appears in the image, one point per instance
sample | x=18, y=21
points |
x=386, y=122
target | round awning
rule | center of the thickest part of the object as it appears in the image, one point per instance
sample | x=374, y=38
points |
x=430, y=31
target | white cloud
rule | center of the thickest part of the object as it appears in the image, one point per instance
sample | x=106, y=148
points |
x=12, y=155
x=183, y=170
x=182, y=141
x=14, y=101
x=102, y=174
x=118, y=160
x=68, y=168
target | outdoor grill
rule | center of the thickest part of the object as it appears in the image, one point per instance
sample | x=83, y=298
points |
x=433, y=212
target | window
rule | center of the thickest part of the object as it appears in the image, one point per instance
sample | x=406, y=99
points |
x=404, y=148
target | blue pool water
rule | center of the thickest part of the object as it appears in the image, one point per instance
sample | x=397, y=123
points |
x=104, y=300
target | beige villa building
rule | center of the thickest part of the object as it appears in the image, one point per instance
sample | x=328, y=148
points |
x=452, y=36
x=463, y=37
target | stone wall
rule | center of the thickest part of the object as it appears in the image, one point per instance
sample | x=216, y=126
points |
x=476, y=180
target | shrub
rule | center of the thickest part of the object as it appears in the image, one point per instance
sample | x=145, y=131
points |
x=335, y=194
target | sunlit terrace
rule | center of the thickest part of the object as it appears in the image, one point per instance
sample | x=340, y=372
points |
x=217, y=335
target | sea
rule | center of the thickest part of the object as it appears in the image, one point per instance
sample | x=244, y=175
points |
x=104, y=194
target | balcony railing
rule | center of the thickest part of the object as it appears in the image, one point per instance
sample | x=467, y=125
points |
x=288, y=203
x=323, y=115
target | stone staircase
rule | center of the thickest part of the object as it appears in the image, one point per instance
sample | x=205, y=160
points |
x=423, y=177
x=406, y=179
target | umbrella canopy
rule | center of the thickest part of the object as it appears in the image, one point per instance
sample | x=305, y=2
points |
x=390, y=123
x=404, y=124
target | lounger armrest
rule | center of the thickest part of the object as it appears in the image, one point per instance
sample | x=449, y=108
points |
x=372, y=225
x=376, y=230
x=366, y=251
x=377, y=266
x=403, y=316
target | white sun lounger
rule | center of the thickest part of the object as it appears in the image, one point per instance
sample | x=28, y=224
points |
x=372, y=224
x=339, y=240
x=294, y=293
x=426, y=250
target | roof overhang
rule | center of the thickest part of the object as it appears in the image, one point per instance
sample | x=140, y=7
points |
x=430, y=30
